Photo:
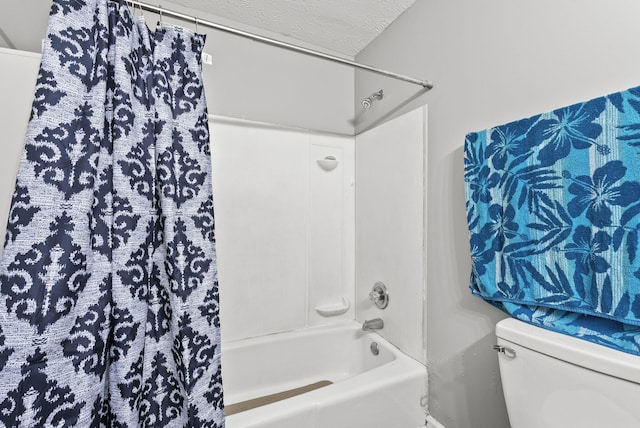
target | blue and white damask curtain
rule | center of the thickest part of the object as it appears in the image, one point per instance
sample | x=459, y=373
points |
x=109, y=299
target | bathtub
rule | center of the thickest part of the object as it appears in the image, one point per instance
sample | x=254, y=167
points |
x=365, y=391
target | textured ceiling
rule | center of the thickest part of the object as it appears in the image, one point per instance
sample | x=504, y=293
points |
x=343, y=26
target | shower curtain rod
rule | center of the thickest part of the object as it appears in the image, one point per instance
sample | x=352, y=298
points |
x=197, y=21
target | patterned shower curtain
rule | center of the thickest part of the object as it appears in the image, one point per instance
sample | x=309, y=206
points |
x=109, y=298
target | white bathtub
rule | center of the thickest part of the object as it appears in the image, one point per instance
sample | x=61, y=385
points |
x=368, y=391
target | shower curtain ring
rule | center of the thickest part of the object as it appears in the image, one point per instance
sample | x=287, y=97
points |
x=195, y=19
x=160, y=10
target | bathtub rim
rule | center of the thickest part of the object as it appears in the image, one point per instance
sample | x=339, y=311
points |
x=402, y=369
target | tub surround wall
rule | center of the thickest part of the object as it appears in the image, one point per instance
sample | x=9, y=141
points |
x=491, y=62
x=331, y=229
x=284, y=226
x=390, y=227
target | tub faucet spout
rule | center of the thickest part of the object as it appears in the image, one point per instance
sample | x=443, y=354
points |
x=374, y=324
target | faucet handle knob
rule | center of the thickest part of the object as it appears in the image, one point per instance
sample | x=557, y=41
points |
x=379, y=295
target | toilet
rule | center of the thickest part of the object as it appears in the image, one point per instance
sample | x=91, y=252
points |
x=552, y=380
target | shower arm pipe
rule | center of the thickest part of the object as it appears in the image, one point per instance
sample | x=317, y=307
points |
x=272, y=42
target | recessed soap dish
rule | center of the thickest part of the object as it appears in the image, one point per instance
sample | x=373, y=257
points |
x=329, y=163
x=334, y=309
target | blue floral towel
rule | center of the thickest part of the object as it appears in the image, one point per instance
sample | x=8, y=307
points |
x=553, y=206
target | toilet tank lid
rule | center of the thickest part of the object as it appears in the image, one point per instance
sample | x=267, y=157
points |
x=571, y=349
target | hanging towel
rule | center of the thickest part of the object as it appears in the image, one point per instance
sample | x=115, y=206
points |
x=108, y=281
x=553, y=207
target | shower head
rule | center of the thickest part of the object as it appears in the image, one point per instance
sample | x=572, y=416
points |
x=368, y=101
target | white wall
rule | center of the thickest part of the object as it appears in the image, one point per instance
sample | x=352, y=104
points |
x=284, y=226
x=18, y=73
x=390, y=162
x=247, y=80
x=491, y=62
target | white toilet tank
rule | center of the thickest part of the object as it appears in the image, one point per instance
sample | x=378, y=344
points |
x=552, y=380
